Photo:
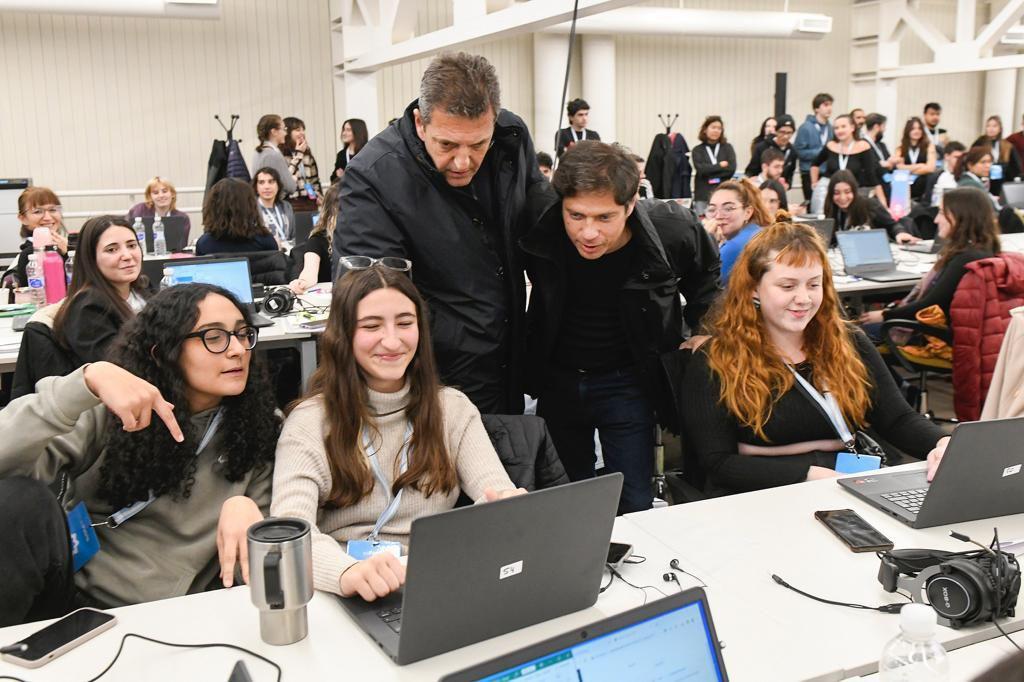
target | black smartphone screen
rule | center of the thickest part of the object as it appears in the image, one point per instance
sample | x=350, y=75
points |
x=858, y=534
x=67, y=629
x=617, y=552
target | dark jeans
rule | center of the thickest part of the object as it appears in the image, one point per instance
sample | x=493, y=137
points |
x=805, y=184
x=35, y=562
x=616, y=404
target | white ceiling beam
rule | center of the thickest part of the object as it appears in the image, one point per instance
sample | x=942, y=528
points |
x=525, y=17
x=1014, y=61
x=931, y=36
x=1000, y=24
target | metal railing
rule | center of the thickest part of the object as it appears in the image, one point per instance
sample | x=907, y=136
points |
x=134, y=196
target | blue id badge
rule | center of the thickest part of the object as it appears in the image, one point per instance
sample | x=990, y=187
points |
x=360, y=550
x=714, y=181
x=852, y=463
x=996, y=172
x=84, y=543
x=310, y=192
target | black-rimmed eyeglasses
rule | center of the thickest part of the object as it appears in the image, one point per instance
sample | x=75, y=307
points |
x=218, y=340
x=364, y=262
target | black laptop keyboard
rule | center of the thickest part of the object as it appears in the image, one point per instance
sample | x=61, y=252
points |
x=911, y=500
x=393, y=618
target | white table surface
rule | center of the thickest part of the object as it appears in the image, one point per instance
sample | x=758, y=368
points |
x=968, y=662
x=336, y=649
x=735, y=544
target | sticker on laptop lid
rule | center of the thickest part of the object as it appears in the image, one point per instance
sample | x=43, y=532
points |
x=1010, y=471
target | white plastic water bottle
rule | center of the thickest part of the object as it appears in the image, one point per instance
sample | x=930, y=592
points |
x=36, y=282
x=915, y=655
x=159, y=243
x=168, y=279
x=140, y=232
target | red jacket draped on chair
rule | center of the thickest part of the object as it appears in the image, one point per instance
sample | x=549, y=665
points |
x=979, y=314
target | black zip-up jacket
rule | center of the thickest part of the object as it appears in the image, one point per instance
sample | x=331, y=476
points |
x=394, y=202
x=675, y=256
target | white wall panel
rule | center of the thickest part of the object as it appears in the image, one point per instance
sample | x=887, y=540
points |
x=96, y=102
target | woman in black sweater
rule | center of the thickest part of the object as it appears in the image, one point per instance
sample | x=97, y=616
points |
x=750, y=423
x=848, y=153
x=714, y=160
x=968, y=224
x=851, y=210
x=107, y=289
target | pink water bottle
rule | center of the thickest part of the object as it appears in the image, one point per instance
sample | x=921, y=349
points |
x=53, y=265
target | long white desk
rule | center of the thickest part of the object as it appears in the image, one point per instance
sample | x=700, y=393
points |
x=736, y=543
x=335, y=648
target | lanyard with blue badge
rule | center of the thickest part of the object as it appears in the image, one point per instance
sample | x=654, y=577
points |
x=364, y=549
x=850, y=462
x=84, y=543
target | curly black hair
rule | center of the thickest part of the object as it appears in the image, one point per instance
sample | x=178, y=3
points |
x=149, y=346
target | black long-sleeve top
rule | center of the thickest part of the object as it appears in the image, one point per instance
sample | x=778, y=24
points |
x=715, y=433
x=863, y=165
x=708, y=172
x=90, y=325
x=941, y=291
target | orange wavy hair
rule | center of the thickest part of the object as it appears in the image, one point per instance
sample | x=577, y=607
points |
x=752, y=373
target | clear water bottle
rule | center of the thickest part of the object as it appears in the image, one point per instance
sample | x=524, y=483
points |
x=159, y=243
x=168, y=279
x=140, y=232
x=36, y=282
x=69, y=267
x=915, y=655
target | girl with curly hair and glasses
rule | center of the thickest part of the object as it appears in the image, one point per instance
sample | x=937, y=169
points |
x=378, y=441
x=748, y=415
x=167, y=450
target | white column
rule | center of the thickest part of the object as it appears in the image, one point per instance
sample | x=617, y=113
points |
x=360, y=98
x=1000, y=97
x=549, y=53
x=887, y=89
x=599, y=83
x=1015, y=124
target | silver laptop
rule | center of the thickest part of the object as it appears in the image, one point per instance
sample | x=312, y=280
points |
x=480, y=571
x=825, y=227
x=667, y=639
x=1012, y=194
x=866, y=254
x=925, y=245
x=980, y=477
x=229, y=273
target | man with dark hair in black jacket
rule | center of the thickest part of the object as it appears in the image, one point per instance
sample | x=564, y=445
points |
x=444, y=187
x=607, y=271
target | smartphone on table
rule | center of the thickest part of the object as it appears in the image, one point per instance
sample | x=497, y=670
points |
x=858, y=534
x=60, y=637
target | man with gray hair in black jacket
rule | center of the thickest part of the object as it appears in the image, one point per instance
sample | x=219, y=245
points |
x=445, y=187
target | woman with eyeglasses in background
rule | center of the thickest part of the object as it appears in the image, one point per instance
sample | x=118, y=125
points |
x=377, y=441
x=37, y=207
x=736, y=214
x=180, y=420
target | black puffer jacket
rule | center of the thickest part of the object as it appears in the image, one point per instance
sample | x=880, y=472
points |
x=394, y=202
x=526, y=450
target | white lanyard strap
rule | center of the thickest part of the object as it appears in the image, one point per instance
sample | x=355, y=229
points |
x=403, y=464
x=878, y=152
x=822, y=133
x=914, y=154
x=831, y=407
x=582, y=137
x=120, y=516
x=844, y=159
x=933, y=135
x=276, y=224
x=713, y=154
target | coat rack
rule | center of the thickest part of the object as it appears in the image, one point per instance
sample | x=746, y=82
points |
x=668, y=124
x=229, y=131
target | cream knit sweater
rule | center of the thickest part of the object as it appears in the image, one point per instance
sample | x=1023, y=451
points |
x=302, y=478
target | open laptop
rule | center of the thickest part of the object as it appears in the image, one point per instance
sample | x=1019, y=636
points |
x=866, y=254
x=480, y=571
x=825, y=227
x=1012, y=194
x=925, y=245
x=981, y=476
x=668, y=639
x=230, y=273
x=304, y=222
x=175, y=233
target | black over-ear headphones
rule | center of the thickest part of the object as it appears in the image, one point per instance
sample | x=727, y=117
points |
x=280, y=301
x=962, y=587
